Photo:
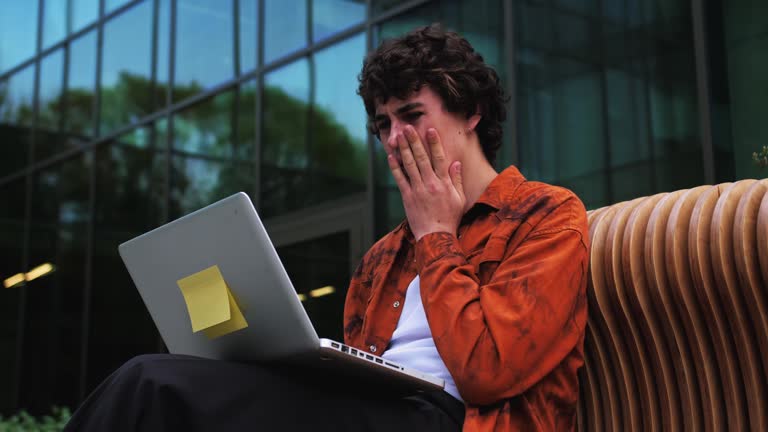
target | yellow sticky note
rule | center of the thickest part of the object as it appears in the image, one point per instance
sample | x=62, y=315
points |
x=235, y=323
x=207, y=297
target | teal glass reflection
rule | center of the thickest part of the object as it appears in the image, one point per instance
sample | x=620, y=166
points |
x=332, y=16
x=18, y=32
x=51, y=88
x=16, y=94
x=58, y=233
x=285, y=28
x=163, y=52
x=110, y=5
x=206, y=128
x=126, y=88
x=82, y=13
x=54, y=21
x=203, y=58
x=249, y=31
x=11, y=261
x=338, y=130
x=81, y=87
x=284, y=141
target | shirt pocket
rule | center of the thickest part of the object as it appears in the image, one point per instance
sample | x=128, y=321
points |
x=494, y=251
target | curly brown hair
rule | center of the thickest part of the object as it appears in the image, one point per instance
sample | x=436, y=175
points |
x=448, y=64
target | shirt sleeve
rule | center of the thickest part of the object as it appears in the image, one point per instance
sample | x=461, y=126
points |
x=499, y=339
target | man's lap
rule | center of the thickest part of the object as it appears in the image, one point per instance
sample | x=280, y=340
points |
x=162, y=391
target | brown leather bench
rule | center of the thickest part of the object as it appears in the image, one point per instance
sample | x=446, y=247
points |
x=677, y=333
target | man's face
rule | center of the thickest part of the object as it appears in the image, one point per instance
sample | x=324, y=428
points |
x=423, y=109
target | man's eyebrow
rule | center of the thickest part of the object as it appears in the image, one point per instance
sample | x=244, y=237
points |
x=403, y=109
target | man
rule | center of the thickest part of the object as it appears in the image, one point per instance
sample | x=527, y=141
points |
x=482, y=285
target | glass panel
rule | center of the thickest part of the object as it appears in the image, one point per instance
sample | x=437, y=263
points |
x=207, y=164
x=18, y=37
x=319, y=263
x=49, y=140
x=83, y=12
x=742, y=92
x=11, y=260
x=613, y=122
x=53, y=316
x=130, y=195
x=81, y=88
x=54, y=22
x=126, y=90
x=163, y=53
x=339, y=162
x=285, y=28
x=110, y=5
x=284, y=145
x=332, y=16
x=249, y=33
x=385, y=5
x=16, y=95
x=203, y=58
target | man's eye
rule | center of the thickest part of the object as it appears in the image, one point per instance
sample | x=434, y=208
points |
x=383, y=126
x=413, y=116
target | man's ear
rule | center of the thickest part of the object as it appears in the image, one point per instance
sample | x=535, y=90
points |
x=473, y=120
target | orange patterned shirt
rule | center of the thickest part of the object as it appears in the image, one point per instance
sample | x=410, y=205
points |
x=505, y=300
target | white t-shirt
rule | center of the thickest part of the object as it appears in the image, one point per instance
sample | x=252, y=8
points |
x=412, y=344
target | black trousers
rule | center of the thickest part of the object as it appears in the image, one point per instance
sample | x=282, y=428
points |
x=163, y=392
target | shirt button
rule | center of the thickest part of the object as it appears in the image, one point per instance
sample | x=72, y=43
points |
x=372, y=348
x=396, y=304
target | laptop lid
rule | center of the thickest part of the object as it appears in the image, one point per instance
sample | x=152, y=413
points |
x=227, y=238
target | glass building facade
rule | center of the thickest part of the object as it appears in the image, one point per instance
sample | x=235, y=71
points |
x=117, y=116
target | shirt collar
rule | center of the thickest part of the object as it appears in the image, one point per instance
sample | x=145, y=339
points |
x=501, y=188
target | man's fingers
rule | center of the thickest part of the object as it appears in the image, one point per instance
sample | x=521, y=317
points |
x=457, y=179
x=409, y=163
x=419, y=153
x=397, y=173
x=439, y=163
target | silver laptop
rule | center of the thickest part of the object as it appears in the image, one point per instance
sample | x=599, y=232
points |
x=226, y=241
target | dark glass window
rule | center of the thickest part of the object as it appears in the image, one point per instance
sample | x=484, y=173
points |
x=604, y=108
x=126, y=87
x=319, y=263
x=81, y=88
x=49, y=140
x=53, y=314
x=332, y=16
x=16, y=94
x=285, y=28
x=11, y=277
x=203, y=58
x=18, y=32
x=738, y=38
x=129, y=201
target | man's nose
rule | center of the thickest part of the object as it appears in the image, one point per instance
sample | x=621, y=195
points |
x=395, y=129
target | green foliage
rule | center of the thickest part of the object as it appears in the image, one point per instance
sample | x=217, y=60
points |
x=24, y=422
x=761, y=159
